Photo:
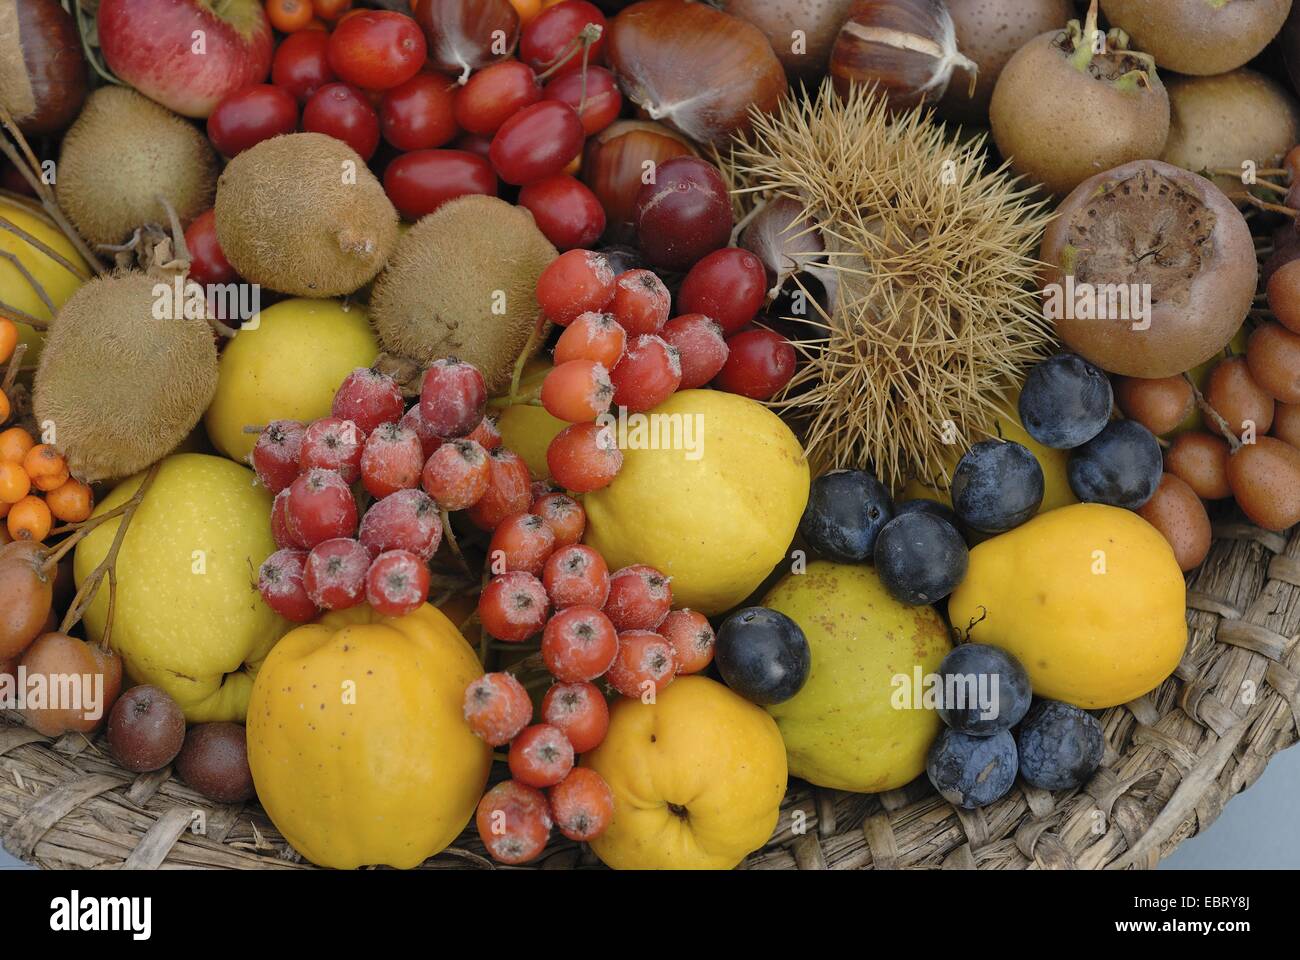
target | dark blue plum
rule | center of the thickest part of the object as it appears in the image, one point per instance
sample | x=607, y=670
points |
x=920, y=558
x=763, y=655
x=846, y=509
x=998, y=485
x=926, y=505
x=1120, y=466
x=1060, y=745
x=972, y=772
x=985, y=690
x=1066, y=401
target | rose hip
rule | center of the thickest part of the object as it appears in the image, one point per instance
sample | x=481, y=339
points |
x=279, y=581
x=692, y=638
x=645, y=662
x=700, y=345
x=520, y=542
x=576, y=575
x=497, y=707
x=541, y=756
x=320, y=507
x=368, y=398
x=728, y=285
x=639, y=598
x=397, y=583
x=582, y=805
x=513, y=607
x=391, y=460
x=407, y=520
x=641, y=302
x=333, y=444
x=577, y=391
x=453, y=397
x=487, y=434
x=275, y=455
x=563, y=514
x=457, y=474
x=584, y=457
x=509, y=490
x=280, y=532
x=759, y=363
x=592, y=336
x=514, y=822
x=580, y=710
x=335, y=574
x=649, y=373
x=574, y=283
x=579, y=644
x=429, y=441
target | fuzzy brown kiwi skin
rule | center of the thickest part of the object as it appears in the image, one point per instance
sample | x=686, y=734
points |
x=120, y=386
x=1059, y=125
x=1199, y=37
x=1192, y=244
x=435, y=297
x=124, y=151
x=302, y=214
x=990, y=32
x=1222, y=121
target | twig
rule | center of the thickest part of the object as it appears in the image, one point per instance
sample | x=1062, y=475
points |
x=15, y=364
x=453, y=545
x=40, y=245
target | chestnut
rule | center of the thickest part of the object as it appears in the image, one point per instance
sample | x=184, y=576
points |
x=697, y=69
x=465, y=35
x=800, y=31
x=45, y=74
x=908, y=48
x=616, y=163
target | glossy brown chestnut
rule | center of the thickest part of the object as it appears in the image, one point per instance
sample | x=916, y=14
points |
x=43, y=77
x=617, y=162
x=464, y=35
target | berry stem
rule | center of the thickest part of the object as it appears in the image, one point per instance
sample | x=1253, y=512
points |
x=1209, y=411
x=582, y=42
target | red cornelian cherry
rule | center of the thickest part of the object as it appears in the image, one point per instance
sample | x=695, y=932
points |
x=419, y=114
x=521, y=542
x=692, y=638
x=580, y=710
x=584, y=457
x=641, y=302
x=700, y=347
x=541, y=756
x=457, y=474
x=582, y=805
x=563, y=514
x=759, y=363
x=577, y=391
x=556, y=32
x=565, y=210
x=646, y=663
x=639, y=598
x=649, y=373
x=727, y=285
x=497, y=708
x=343, y=112
x=592, y=336
x=598, y=105
x=494, y=94
x=579, y=643
x=576, y=575
x=513, y=607
x=575, y=282
x=537, y=142
x=514, y=822
x=509, y=490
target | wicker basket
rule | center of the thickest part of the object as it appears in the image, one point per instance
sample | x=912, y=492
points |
x=1173, y=759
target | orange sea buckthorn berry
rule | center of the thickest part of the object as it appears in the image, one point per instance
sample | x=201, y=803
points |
x=71, y=502
x=8, y=338
x=14, y=482
x=14, y=444
x=46, y=467
x=5, y=408
x=29, y=519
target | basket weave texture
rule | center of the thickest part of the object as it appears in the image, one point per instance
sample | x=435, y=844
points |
x=1173, y=760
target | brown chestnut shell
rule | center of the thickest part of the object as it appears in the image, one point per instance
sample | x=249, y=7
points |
x=43, y=73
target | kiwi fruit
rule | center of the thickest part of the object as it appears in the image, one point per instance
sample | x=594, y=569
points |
x=120, y=386
x=989, y=32
x=1062, y=112
x=1223, y=121
x=302, y=214
x=462, y=282
x=124, y=152
x=1169, y=236
x=1200, y=37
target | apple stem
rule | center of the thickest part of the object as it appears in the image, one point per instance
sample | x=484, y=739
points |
x=107, y=567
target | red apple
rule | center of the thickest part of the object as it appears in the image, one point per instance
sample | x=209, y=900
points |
x=186, y=54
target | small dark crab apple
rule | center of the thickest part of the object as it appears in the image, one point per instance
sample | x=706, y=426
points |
x=1074, y=102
